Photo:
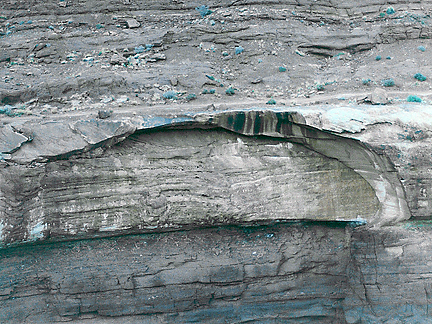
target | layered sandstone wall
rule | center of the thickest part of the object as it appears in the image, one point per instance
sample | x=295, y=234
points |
x=139, y=182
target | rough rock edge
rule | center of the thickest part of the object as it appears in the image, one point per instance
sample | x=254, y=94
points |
x=10, y=141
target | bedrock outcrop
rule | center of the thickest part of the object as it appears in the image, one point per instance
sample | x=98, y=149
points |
x=293, y=273
x=142, y=181
x=141, y=174
x=231, y=216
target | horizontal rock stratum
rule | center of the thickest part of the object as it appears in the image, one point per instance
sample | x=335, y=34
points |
x=84, y=178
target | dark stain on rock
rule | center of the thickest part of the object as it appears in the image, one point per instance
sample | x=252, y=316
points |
x=258, y=127
x=284, y=123
x=230, y=121
x=239, y=121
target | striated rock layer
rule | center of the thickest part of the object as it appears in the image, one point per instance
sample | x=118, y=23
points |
x=150, y=175
x=292, y=273
x=165, y=176
x=218, y=275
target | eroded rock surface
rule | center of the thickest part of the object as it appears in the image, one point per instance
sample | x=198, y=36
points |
x=270, y=274
x=299, y=273
x=74, y=55
x=172, y=179
x=191, y=178
x=129, y=117
x=401, y=132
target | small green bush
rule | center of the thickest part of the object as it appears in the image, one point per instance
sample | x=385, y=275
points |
x=203, y=11
x=390, y=11
x=271, y=102
x=170, y=95
x=378, y=58
x=230, y=91
x=388, y=82
x=282, y=69
x=211, y=91
x=191, y=96
x=420, y=77
x=412, y=98
x=366, y=81
x=421, y=48
x=320, y=87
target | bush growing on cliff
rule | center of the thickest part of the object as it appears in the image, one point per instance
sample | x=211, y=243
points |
x=191, y=96
x=420, y=77
x=412, y=98
x=203, y=11
x=390, y=11
x=230, y=91
x=271, y=102
x=170, y=95
x=387, y=83
x=239, y=50
x=211, y=91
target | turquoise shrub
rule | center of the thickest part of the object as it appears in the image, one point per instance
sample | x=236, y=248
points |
x=230, y=91
x=388, y=82
x=420, y=77
x=170, y=95
x=412, y=98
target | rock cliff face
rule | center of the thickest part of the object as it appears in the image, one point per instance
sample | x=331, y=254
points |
x=165, y=176
x=276, y=273
x=295, y=273
x=219, y=162
x=142, y=175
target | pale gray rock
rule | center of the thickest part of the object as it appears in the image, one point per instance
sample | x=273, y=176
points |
x=132, y=23
x=10, y=140
x=117, y=59
x=104, y=114
x=379, y=97
x=401, y=132
x=157, y=180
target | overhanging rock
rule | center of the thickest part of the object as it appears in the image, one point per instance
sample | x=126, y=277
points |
x=143, y=174
x=375, y=168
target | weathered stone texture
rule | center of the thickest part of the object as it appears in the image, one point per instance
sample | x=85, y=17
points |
x=179, y=178
x=148, y=211
x=257, y=274
x=402, y=133
x=390, y=275
x=295, y=273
